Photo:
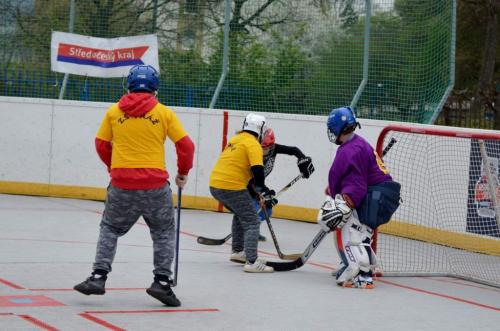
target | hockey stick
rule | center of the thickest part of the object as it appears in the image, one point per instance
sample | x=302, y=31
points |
x=275, y=240
x=177, y=236
x=217, y=242
x=389, y=146
x=299, y=262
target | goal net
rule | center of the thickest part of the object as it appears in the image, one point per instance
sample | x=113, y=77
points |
x=448, y=222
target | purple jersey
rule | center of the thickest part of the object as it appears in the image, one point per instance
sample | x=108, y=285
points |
x=355, y=167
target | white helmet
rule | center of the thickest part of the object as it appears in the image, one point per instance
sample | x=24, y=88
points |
x=255, y=123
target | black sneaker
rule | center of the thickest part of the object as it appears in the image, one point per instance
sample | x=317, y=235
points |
x=92, y=285
x=262, y=238
x=164, y=293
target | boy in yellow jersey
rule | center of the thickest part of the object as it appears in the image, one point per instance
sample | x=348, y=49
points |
x=130, y=142
x=240, y=161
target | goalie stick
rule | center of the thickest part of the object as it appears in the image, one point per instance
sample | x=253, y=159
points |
x=217, y=242
x=299, y=262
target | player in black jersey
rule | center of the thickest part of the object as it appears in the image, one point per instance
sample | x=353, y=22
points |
x=271, y=149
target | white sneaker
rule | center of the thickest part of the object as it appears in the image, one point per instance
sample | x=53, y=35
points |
x=259, y=266
x=238, y=257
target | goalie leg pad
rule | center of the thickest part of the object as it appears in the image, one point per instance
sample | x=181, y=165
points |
x=353, y=246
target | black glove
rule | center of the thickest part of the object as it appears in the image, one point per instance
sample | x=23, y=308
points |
x=269, y=198
x=306, y=167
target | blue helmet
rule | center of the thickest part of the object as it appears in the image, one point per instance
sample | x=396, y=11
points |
x=143, y=78
x=339, y=121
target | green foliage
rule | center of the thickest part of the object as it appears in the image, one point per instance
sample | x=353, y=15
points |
x=348, y=16
x=301, y=62
x=272, y=73
x=182, y=67
x=338, y=54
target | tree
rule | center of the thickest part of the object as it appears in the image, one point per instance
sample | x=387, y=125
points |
x=478, y=58
x=348, y=16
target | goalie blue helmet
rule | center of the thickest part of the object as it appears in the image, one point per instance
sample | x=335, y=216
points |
x=143, y=78
x=339, y=121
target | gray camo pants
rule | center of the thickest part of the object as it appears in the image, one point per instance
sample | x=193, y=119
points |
x=246, y=223
x=122, y=210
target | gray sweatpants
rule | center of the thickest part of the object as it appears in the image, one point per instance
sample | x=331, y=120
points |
x=245, y=226
x=123, y=208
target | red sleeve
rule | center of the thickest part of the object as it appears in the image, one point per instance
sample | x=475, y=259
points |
x=185, y=153
x=103, y=149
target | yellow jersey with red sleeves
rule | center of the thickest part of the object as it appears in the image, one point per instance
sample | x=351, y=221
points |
x=233, y=169
x=138, y=142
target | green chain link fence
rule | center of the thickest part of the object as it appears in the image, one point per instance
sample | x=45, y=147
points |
x=287, y=56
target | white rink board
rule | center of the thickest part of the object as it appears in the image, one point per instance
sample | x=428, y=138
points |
x=30, y=153
x=25, y=140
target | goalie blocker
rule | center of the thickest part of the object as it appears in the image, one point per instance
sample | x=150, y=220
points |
x=333, y=213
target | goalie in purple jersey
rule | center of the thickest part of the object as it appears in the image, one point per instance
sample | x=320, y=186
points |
x=361, y=197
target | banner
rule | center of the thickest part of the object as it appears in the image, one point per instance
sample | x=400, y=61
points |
x=100, y=57
x=481, y=218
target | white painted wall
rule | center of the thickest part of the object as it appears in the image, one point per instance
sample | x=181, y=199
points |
x=52, y=142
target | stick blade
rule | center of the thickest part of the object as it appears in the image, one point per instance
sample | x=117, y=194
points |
x=286, y=266
x=210, y=241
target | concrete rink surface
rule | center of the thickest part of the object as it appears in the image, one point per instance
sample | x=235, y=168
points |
x=47, y=245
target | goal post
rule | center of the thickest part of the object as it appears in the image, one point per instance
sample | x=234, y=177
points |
x=447, y=223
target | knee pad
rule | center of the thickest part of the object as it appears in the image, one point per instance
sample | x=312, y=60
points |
x=354, y=247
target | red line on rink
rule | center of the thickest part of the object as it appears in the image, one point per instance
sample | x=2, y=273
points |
x=70, y=289
x=439, y=295
x=38, y=323
x=189, y=234
x=101, y=322
x=88, y=314
x=9, y=284
x=68, y=241
x=324, y=266
x=185, y=310
x=462, y=283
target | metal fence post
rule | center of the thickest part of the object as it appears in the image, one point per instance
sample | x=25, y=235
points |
x=71, y=26
x=366, y=54
x=225, y=55
x=451, y=81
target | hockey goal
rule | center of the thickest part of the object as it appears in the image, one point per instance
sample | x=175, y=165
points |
x=448, y=222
